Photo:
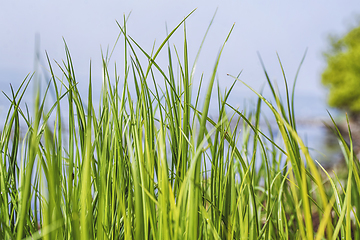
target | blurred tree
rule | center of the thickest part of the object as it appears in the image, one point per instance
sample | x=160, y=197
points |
x=342, y=75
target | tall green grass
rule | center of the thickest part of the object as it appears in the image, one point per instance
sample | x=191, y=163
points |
x=150, y=163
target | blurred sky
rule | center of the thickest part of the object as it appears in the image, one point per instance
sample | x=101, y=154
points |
x=268, y=27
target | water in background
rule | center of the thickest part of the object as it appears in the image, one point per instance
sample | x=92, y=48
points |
x=312, y=119
x=310, y=109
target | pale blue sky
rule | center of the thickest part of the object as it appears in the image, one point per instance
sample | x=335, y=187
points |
x=267, y=27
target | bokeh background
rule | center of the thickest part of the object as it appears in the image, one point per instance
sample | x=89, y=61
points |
x=89, y=28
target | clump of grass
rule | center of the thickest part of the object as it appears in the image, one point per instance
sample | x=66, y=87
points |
x=136, y=168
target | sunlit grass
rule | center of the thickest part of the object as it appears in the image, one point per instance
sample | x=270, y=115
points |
x=151, y=164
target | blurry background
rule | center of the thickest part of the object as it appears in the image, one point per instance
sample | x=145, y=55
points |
x=265, y=27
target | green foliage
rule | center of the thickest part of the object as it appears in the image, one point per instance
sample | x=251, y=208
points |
x=153, y=164
x=342, y=75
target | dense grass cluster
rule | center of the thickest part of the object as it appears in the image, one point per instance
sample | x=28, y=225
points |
x=136, y=167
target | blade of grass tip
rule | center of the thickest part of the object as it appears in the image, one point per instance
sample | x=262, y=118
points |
x=340, y=137
x=126, y=66
x=197, y=99
x=292, y=121
x=200, y=48
x=25, y=84
x=117, y=39
x=13, y=104
x=20, y=91
x=293, y=89
x=86, y=210
x=255, y=129
x=19, y=99
x=266, y=74
x=166, y=39
x=209, y=90
x=274, y=91
x=335, y=190
x=152, y=59
x=15, y=140
x=187, y=102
